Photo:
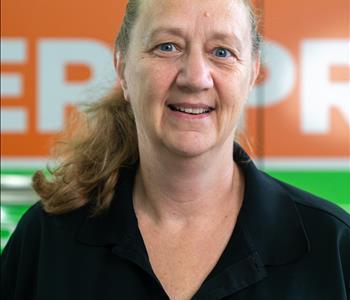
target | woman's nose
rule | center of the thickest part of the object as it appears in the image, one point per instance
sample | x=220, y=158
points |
x=194, y=74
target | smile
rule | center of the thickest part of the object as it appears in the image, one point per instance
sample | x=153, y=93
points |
x=191, y=110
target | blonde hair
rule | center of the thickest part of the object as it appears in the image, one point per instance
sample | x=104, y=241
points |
x=104, y=141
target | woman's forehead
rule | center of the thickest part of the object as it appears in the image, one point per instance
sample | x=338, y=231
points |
x=205, y=8
x=226, y=15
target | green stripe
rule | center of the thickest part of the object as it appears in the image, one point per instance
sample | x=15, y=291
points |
x=330, y=185
x=28, y=172
x=24, y=172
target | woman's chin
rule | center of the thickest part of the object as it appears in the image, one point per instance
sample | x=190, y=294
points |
x=189, y=147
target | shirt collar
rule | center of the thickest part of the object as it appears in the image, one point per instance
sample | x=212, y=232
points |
x=268, y=216
x=118, y=224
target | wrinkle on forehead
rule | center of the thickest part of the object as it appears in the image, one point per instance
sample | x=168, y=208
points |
x=157, y=7
x=166, y=13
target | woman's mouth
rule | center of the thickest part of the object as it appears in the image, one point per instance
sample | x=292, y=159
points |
x=191, y=109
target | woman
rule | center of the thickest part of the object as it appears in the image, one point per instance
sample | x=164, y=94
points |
x=148, y=202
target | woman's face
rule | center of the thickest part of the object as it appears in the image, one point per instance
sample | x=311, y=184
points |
x=187, y=73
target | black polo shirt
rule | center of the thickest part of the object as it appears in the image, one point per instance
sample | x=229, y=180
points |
x=287, y=245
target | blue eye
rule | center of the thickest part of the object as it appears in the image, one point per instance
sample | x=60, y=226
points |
x=167, y=47
x=222, y=52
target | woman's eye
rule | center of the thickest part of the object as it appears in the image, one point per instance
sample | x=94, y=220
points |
x=222, y=52
x=167, y=47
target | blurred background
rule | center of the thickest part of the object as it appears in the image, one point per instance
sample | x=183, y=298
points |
x=58, y=54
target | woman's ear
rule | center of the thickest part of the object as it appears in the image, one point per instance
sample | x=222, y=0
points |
x=255, y=70
x=120, y=68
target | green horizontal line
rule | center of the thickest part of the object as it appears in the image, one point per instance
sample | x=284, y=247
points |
x=330, y=185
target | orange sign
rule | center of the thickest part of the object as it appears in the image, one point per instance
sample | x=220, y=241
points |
x=305, y=99
x=56, y=54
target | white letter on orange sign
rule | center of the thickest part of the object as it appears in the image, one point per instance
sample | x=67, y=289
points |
x=55, y=92
x=281, y=76
x=13, y=51
x=318, y=94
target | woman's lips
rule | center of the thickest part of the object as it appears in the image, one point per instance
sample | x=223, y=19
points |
x=194, y=109
x=189, y=111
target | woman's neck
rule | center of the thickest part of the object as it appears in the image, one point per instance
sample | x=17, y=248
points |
x=188, y=190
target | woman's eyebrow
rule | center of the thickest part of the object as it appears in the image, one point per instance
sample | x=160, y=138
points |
x=229, y=37
x=163, y=30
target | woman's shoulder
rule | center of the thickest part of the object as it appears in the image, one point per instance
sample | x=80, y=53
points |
x=32, y=217
x=28, y=226
x=37, y=225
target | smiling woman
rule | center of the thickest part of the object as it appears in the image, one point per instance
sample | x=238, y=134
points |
x=170, y=70
x=154, y=199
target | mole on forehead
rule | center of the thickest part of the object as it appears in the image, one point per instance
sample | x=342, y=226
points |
x=206, y=14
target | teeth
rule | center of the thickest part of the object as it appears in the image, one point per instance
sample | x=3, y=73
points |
x=193, y=111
